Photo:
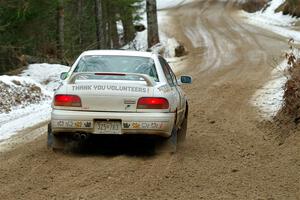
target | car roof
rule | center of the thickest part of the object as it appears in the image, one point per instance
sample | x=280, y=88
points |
x=118, y=53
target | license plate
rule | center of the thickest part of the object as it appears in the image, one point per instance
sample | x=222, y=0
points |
x=107, y=127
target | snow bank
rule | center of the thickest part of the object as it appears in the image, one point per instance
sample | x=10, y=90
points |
x=26, y=99
x=19, y=92
x=45, y=74
x=26, y=117
x=269, y=98
x=275, y=22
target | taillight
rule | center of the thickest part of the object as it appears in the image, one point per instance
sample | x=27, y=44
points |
x=67, y=100
x=152, y=103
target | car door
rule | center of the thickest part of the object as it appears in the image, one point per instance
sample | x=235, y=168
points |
x=171, y=78
x=182, y=104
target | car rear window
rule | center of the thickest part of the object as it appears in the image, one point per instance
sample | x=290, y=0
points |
x=121, y=64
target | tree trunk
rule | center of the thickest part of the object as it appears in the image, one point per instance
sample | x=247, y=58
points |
x=153, y=37
x=106, y=26
x=114, y=32
x=99, y=24
x=127, y=21
x=79, y=21
x=60, y=29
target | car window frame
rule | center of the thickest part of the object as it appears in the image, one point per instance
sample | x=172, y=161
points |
x=169, y=70
x=166, y=71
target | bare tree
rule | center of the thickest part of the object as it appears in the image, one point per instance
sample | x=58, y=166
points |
x=99, y=24
x=114, y=32
x=79, y=20
x=60, y=29
x=153, y=37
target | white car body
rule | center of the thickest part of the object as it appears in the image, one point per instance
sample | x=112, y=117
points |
x=110, y=106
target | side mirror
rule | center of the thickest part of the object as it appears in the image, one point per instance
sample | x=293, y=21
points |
x=64, y=75
x=185, y=80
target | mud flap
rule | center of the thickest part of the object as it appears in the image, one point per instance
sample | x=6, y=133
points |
x=49, y=137
x=56, y=143
x=182, y=131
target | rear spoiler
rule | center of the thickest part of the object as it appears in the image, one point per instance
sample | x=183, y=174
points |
x=150, y=82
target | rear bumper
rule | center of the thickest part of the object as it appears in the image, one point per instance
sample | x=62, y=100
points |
x=64, y=121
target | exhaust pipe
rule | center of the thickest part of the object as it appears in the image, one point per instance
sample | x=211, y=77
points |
x=83, y=136
x=76, y=136
x=80, y=136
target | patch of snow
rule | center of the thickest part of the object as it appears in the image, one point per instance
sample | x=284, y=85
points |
x=22, y=118
x=269, y=98
x=275, y=22
x=167, y=4
x=43, y=76
x=18, y=92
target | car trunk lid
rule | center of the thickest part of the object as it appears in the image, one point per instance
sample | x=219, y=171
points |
x=113, y=96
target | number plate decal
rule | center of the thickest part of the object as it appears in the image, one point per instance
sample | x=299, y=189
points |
x=108, y=127
x=145, y=125
x=72, y=124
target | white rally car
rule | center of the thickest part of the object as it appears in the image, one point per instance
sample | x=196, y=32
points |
x=118, y=92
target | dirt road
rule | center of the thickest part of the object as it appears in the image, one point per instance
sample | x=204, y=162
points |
x=229, y=153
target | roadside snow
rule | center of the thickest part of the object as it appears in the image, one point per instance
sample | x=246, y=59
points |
x=22, y=118
x=269, y=98
x=34, y=89
x=45, y=74
x=275, y=22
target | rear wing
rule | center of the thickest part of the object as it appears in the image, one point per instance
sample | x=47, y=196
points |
x=150, y=82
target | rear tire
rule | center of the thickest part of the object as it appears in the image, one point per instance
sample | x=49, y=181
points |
x=55, y=142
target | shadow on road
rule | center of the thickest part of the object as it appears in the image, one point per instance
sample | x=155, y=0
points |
x=109, y=145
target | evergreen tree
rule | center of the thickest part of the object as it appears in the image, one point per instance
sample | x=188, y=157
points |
x=63, y=28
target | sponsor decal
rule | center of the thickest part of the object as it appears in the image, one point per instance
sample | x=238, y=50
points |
x=60, y=123
x=126, y=125
x=145, y=125
x=135, y=125
x=78, y=124
x=72, y=124
x=88, y=124
x=69, y=124
x=110, y=88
